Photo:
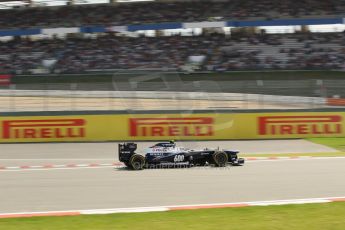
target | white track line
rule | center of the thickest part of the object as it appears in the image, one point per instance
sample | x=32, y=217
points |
x=55, y=159
x=118, y=164
x=174, y=207
x=100, y=165
x=49, y=169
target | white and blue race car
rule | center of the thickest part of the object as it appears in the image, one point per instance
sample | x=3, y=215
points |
x=168, y=154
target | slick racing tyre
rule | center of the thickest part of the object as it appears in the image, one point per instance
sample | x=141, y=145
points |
x=220, y=159
x=137, y=162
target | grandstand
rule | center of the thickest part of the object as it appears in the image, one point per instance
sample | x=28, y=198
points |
x=116, y=13
x=208, y=37
x=216, y=52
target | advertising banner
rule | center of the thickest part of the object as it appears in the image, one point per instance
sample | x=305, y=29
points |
x=336, y=101
x=203, y=126
x=5, y=80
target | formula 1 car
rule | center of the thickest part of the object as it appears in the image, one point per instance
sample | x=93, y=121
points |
x=167, y=154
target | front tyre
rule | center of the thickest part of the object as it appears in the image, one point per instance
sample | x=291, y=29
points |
x=137, y=162
x=220, y=159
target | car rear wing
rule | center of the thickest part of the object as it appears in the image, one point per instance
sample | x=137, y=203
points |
x=126, y=150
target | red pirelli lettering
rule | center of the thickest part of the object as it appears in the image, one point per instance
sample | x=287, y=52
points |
x=301, y=125
x=47, y=128
x=195, y=126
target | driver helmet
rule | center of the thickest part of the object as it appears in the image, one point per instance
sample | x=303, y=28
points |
x=172, y=142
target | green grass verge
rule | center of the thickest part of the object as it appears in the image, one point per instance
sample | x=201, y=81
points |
x=307, y=216
x=333, y=142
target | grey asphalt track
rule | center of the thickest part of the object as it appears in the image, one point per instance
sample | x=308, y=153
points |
x=53, y=190
x=93, y=188
x=76, y=153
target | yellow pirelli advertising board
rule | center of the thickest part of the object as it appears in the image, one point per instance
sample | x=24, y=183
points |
x=203, y=126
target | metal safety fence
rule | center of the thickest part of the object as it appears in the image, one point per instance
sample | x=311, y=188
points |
x=156, y=91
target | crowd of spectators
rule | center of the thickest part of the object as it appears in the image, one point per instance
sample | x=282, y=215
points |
x=284, y=51
x=220, y=52
x=156, y=12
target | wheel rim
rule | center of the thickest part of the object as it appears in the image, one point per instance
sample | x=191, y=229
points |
x=221, y=159
x=137, y=163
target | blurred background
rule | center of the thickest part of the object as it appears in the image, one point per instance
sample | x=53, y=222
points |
x=54, y=51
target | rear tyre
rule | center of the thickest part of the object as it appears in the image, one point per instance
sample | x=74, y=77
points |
x=137, y=162
x=220, y=159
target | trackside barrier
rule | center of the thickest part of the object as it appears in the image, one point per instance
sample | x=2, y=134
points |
x=166, y=95
x=179, y=126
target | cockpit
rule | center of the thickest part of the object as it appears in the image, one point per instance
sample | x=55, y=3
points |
x=165, y=145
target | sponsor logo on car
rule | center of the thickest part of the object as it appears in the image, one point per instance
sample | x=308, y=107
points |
x=49, y=128
x=300, y=125
x=172, y=127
